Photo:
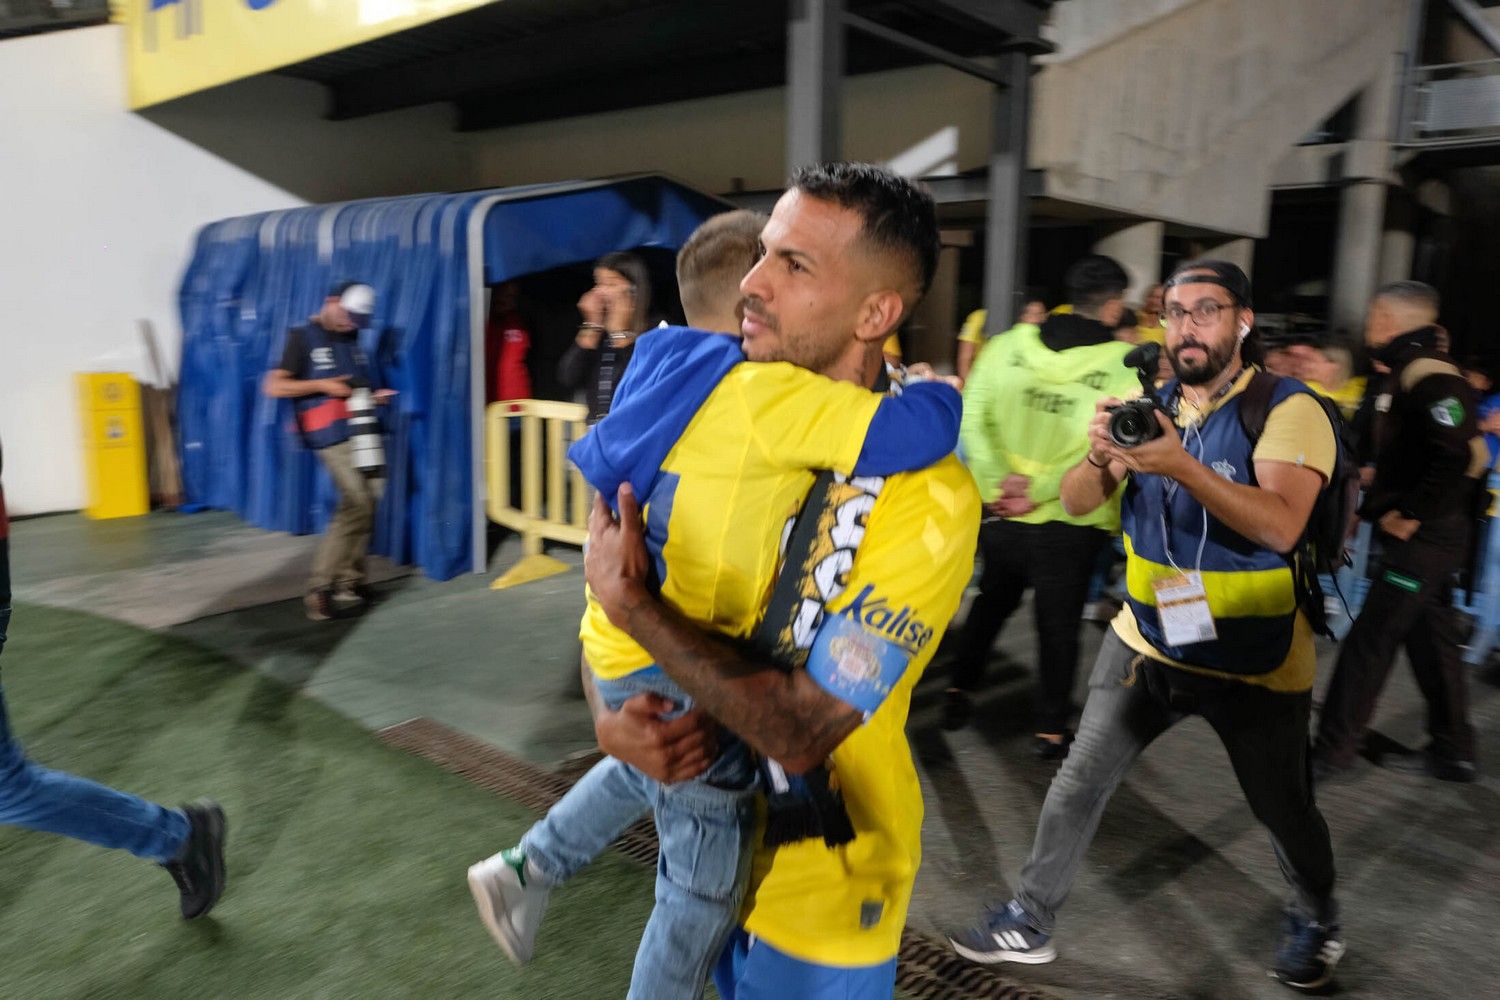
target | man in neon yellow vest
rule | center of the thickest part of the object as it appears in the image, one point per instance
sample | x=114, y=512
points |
x=1211, y=627
x=1026, y=409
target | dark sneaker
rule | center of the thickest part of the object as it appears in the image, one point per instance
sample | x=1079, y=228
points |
x=1427, y=762
x=319, y=605
x=1308, y=952
x=1005, y=935
x=958, y=709
x=1047, y=748
x=199, y=872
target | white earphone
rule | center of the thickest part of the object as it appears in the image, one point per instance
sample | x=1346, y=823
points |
x=1244, y=330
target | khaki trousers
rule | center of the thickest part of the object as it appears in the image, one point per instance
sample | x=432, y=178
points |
x=341, y=554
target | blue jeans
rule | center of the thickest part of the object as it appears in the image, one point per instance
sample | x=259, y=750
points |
x=55, y=802
x=704, y=828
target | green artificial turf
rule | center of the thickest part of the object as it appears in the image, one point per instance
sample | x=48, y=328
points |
x=346, y=858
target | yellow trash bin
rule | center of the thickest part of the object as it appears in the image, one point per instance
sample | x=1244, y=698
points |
x=114, y=445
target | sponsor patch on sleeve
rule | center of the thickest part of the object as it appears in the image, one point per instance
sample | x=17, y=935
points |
x=854, y=664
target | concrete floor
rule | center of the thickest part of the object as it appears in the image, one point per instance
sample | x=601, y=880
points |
x=1179, y=896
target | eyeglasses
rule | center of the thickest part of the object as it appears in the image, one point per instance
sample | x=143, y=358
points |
x=1204, y=313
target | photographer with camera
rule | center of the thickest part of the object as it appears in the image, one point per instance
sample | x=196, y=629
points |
x=1211, y=514
x=326, y=373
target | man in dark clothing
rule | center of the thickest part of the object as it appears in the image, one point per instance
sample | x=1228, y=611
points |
x=614, y=313
x=188, y=842
x=1026, y=408
x=1428, y=456
x=321, y=367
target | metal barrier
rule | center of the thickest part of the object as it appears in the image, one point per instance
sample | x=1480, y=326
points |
x=546, y=429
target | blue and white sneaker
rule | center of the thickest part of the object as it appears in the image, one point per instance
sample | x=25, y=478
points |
x=1006, y=935
x=1308, y=952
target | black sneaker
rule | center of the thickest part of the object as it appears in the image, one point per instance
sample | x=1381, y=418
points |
x=1427, y=762
x=199, y=872
x=1308, y=952
x=958, y=709
x=319, y=605
x=1044, y=748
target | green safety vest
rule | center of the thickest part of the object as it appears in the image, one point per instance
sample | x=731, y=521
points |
x=1027, y=410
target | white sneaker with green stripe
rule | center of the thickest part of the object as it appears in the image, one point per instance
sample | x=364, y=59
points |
x=511, y=900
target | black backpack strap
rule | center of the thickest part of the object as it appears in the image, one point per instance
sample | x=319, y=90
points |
x=1255, y=403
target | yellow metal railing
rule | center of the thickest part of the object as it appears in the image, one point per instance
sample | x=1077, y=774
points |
x=559, y=514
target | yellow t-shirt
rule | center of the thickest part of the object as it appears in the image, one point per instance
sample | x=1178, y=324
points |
x=847, y=905
x=892, y=347
x=1151, y=333
x=972, y=331
x=1297, y=431
x=1346, y=397
x=734, y=477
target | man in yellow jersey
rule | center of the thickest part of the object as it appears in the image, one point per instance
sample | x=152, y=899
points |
x=846, y=244
x=1211, y=626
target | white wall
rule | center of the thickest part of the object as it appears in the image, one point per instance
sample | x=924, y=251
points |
x=100, y=211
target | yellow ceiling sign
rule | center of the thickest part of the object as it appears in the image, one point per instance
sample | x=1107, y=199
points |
x=176, y=47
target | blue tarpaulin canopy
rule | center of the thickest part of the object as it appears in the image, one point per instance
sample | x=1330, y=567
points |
x=429, y=258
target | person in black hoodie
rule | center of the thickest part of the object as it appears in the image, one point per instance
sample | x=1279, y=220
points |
x=614, y=313
x=1428, y=456
x=187, y=842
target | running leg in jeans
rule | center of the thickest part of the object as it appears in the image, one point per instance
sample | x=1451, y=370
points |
x=1265, y=734
x=36, y=798
x=588, y=818
x=1001, y=584
x=1120, y=719
x=702, y=868
x=1062, y=560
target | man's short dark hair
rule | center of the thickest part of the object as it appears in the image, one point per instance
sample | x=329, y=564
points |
x=1094, y=280
x=1411, y=293
x=899, y=215
x=715, y=258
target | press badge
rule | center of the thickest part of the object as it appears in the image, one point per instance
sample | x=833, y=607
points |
x=1182, y=606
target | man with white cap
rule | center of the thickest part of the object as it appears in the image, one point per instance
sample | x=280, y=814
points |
x=321, y=366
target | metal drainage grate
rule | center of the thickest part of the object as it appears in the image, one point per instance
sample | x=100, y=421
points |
x=927, y=969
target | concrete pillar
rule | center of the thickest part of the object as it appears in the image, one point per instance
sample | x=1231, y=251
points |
x=1240, y=251
x=1137, y=248
x=814, y=78
x=1357, y=248
x=1398, y=243
x=1356, y=253
x=1005, y=228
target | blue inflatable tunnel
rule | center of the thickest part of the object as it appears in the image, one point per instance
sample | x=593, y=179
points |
x=430, y=257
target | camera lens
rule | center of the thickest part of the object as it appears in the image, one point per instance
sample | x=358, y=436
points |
x=1132, y=424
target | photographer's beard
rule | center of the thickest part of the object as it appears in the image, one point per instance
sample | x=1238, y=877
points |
x=1205, y=364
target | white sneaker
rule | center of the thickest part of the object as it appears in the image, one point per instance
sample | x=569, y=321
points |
x=511, y=901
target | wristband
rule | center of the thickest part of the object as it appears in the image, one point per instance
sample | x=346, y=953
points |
x=592, y=326
x=1090, y=459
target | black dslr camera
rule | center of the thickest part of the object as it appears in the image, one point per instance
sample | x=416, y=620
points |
x=1134, y=422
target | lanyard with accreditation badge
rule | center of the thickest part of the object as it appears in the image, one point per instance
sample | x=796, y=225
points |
x=1181, y=601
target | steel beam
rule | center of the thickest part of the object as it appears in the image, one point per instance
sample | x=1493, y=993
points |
x=814, y=78
x=1005, y=229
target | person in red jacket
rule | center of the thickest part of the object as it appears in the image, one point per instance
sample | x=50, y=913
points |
x=507, y=341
